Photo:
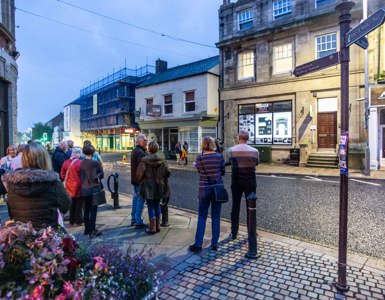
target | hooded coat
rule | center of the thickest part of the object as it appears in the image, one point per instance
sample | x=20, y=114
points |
x=152, y=174
x=35, y=195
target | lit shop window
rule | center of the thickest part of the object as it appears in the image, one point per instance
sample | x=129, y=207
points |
x=281, y=8
x=245, y=19
x=282, y=58
x=326, y=44
x=245, y=65
x=267, y=123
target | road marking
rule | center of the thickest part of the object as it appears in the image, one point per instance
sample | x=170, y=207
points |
x=275, y=176
x=319, y=180
x=370, y=183
x=314, y=178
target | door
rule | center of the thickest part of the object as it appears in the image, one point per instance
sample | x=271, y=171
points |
x=382, y=146
x=4, y=135
x=327, y=129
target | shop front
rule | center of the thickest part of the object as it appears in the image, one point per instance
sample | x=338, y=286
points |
x=110, y=140
x=377, y=128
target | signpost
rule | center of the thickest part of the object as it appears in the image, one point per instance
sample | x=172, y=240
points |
x=347, y=38
x=362, y=29
x=318, y=64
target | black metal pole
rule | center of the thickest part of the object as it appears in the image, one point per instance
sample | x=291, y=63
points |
x=251, y=203
x=344, y=8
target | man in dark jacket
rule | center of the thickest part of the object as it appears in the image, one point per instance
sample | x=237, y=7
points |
x=59, y=156
x=243, y=160
x=137, y=202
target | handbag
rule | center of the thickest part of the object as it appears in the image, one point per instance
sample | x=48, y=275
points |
x=220, y=193
x=99, y=196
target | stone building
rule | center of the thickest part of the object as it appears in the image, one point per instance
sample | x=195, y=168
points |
x=260, y=44
x=8, y=75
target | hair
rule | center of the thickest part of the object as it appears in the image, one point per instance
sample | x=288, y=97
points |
x=88, y=150
x=35, y=156
x=70, y=144
x=208, y=144
x=21, y=147
x=87, y=143
x=243, y=135
x=153, y=147
x=76, y=152
x=140, y=137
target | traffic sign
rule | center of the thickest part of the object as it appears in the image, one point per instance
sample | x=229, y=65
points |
x=318, y=64
x=368, y=25
x=362, y=42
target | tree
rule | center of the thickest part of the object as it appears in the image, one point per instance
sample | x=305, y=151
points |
x=38, y=131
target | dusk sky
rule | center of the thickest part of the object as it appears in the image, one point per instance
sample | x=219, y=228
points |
x=57, y=60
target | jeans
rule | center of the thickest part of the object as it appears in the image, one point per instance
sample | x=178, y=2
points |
x=137, y=206
x=90, y=212
x=153, y=207
x=237, y=190
x=76, y=210
x=205, y=200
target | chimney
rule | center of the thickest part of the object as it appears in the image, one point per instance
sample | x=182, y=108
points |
x=160, y=66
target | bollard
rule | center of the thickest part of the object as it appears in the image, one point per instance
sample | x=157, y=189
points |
x=251, y=201
x=164, y=211
x=115, y=191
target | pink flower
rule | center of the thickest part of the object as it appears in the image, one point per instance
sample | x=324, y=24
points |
x=68, y=289
x=100, y=265
x=38, y=291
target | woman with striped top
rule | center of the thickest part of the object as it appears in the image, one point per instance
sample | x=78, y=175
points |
x=211, y=168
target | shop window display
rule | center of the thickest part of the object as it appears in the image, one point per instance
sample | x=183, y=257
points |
x=267, y=123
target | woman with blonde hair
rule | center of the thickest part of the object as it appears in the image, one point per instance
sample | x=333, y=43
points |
x=152, y=174
x=211, y=168
x=35, y=192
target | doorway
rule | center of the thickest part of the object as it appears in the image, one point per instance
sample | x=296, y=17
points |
x=327, y=130
x=327, y=123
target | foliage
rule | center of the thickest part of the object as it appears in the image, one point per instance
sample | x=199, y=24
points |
x=38, y=129
x=39, y=265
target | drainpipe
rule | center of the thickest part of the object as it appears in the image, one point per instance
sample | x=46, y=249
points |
x=367, y=149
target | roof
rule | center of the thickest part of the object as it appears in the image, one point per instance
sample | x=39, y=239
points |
x=78, y=101
x=187, y=70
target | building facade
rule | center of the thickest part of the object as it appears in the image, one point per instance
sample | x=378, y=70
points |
x=8, y=76
x=107, y=110
x=260, y=44
x=180, y=104
x=72, y=123
x=57, y=125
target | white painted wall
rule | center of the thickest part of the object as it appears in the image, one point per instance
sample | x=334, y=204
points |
x=206, y=96
x=72, y=123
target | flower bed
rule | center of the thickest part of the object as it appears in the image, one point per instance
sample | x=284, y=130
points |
x=40, y=265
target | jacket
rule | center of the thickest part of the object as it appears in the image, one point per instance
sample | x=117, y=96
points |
x=73, y=184
x=58, y=159
x=136, y=155
x=243, y=159
x=91, y=172
x=35, y=195
x=152, y=174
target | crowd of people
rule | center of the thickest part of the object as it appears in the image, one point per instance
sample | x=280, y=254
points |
x=42, y=189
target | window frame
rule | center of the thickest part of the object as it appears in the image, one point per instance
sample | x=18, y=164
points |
x=316, y=5
x=247, y=21
x=165, y=105
x=288, y=7
x=189, y=101
x=275, y=59
x=317, y=53
x=239, y=66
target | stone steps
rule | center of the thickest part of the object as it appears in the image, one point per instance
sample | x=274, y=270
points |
x=323, y=160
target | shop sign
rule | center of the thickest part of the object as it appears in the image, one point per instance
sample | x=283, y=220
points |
x=153, y=110
x=377, y=96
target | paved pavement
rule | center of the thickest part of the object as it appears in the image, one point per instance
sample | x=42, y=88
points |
x=287, y=268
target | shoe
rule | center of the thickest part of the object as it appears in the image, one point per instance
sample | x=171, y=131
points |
x=195, y=249
x=233, y=236
x=140, y=226
x=251, y=255
x=214, y=248
x=157, y=225
x=133, y=224
x=152, y=228
x=95, y=233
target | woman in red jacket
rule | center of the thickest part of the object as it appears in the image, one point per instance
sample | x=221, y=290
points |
x=70, y=174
